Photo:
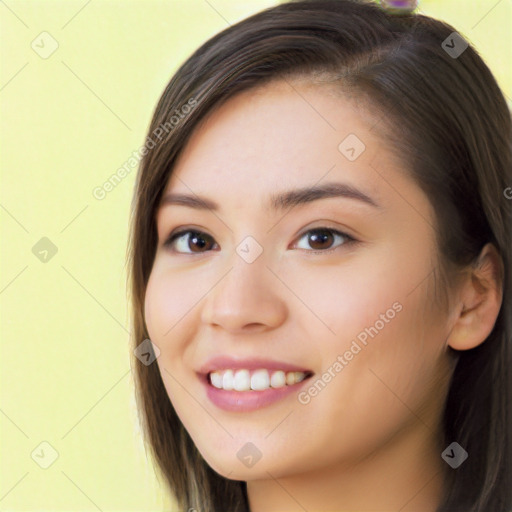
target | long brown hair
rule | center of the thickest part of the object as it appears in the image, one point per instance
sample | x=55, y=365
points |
x=452, y=129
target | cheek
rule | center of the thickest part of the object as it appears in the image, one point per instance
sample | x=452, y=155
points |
x=167, y=307
x=380, y=294
x=165, y=315
x=383, y=377
x=172, y=307
x=377, y=315
x=349, y=297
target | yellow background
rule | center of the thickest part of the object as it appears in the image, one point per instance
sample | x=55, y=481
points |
x=68, y=122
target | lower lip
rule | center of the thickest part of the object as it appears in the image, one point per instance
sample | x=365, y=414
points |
x=245, y=401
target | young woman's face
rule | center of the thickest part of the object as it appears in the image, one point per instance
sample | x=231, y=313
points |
x=278, y=285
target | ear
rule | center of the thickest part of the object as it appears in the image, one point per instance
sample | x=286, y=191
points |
x=480, y=299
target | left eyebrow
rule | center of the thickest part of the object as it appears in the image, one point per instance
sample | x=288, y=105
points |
x=282, y=200
x=306, y=195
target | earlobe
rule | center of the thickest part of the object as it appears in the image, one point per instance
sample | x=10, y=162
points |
x=480, y=301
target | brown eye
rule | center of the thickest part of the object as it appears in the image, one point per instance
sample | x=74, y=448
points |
x=322, y=239
x=190, y=242
x=318, y=240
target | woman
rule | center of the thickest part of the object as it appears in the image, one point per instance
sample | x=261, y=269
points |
x=320, y=254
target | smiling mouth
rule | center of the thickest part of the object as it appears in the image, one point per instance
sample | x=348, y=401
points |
x=255, y=380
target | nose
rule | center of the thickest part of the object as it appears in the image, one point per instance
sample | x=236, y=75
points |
x=246, y=298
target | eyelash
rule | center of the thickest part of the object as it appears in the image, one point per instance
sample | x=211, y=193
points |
x=349, y=240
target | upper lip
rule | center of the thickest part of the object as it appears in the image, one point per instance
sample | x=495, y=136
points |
x=227, y=362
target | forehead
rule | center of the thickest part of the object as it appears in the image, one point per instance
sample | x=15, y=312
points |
x=279, y=136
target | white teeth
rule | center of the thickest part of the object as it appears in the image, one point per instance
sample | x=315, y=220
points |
x=258, y=380
x=242, y=380
x=227, y=380
x=278, y=379
x=216, y=379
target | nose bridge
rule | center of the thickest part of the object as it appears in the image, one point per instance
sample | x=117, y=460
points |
x=244, y=293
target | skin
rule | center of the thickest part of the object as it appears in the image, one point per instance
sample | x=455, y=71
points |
x=376, y=424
